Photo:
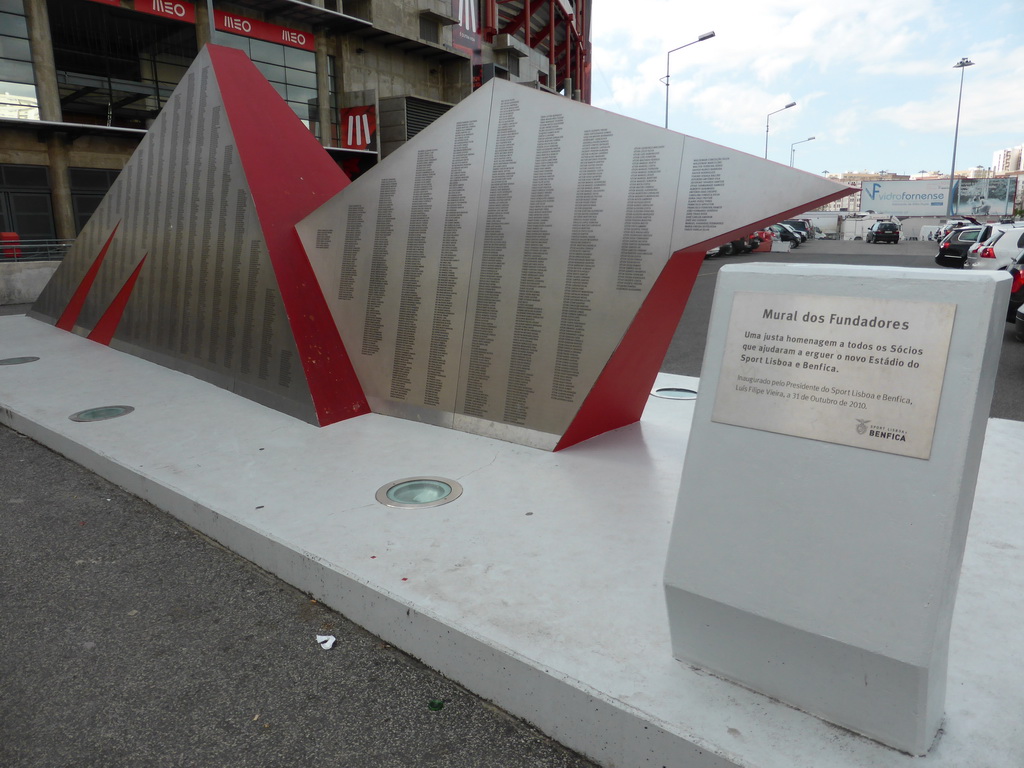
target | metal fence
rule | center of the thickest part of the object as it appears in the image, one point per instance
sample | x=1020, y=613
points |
x=33, y=250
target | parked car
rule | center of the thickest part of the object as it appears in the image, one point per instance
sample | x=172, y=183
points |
x=1016, y=296
x=883, y=232
x=786, y=234
x=954, y=246
x=952, y=224
x=1000, y=250
x=736, y=247
x=802, y=226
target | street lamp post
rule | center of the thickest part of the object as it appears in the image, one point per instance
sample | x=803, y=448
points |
x=792, y=150
x=961, y=65
x=668, y=59
x=767, y=119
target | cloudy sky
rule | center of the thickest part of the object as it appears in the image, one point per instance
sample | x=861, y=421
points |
x=873, y=80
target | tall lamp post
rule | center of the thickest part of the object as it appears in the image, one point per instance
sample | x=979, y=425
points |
x=767, y=119
x=792, y=150
x=668, y=59
x=961, y=65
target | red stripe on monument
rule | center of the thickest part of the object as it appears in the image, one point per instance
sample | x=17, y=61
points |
x=289, y=176
x=105, y=329
x=69, y=317
x=620, y=393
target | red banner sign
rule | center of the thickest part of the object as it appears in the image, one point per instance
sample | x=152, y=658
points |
x=179, y=10
x=358, y=127
x=261, y=30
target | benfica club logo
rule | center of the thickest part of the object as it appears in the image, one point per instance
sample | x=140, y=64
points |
x=466, y=34
x=358, y=127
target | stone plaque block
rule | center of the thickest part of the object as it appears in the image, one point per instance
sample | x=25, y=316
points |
x=828, y=485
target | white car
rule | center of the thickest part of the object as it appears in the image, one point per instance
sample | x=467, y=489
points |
x=999, y=250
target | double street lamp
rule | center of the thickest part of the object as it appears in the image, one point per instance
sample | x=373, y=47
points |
x=767, y=119
x=668, y=59
x=792, y=149
x=961, y=65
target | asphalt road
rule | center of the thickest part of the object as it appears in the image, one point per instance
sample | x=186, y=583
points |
x=686, y=353
x=130, y=641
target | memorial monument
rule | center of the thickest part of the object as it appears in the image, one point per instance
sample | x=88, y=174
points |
x=828, y=485
x=516, y=270
x=191, y=260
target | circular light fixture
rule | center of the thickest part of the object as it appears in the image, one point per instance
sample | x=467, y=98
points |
x=17, y=360
x=675, y=393
x=102, y=413
x=419, y=492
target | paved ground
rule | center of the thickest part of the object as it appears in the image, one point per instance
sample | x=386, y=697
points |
x=130, y=640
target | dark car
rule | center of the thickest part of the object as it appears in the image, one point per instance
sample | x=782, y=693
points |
x=954, y=246
x=883, y=232
x=802, y=226
x=786, y=233
x=1013, y=313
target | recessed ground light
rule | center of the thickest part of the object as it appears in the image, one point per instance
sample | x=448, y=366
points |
x=17, y=360
x=419, y=492
x=675, y=393
x=102, y=413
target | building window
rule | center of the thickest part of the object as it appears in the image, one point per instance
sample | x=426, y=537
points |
x=116, y=67
x=17, y=83
x=430, y=30
x=25, y=206
x=291, y=71
x=88, y=188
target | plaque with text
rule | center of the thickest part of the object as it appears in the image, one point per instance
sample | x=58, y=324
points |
x=484, y=275
x=194, y=211
x=863, y=372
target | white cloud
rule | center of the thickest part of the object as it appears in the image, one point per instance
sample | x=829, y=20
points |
x=875, y=76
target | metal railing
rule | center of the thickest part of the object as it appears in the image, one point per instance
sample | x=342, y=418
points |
x=33, y=250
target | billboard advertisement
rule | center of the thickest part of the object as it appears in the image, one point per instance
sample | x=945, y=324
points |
x=971, y=197
x=984, y=197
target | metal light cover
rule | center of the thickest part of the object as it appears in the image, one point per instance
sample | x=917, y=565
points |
x=419, y=492
x=675, y=393
x=102, y=413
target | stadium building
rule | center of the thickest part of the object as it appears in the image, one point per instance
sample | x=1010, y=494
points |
x=82, y=80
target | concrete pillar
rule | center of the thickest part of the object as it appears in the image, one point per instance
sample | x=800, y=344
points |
x=204, y=23
x=45, y=69
x=323, y=87
x=60, y=186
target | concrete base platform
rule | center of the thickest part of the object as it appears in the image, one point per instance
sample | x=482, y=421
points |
x=541, y=587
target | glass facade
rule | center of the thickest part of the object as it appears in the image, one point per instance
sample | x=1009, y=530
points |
x=17, y=83
x=25, y=206
x=116, y=67
x=291, y=71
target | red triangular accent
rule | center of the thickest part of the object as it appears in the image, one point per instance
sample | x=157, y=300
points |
x=106, y=327
x=620, y=393
x=68, y=318
x=289, y=176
